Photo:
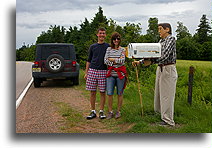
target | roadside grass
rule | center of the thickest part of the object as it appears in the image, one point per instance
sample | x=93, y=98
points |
x=82, y=85
x=71, y=117
x=195, y=118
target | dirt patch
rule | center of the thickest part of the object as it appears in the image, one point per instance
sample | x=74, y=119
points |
x=126, y=127
x=39, y=114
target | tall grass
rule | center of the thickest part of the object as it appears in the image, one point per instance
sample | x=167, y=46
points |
x=195, y=118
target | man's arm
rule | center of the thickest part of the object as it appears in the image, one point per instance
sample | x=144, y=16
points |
x=146, y=62
x=90, y=56
x=86, y=69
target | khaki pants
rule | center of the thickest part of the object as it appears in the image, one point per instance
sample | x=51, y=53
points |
x=165, y=88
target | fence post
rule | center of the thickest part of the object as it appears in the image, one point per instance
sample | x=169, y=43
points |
x=190, y=83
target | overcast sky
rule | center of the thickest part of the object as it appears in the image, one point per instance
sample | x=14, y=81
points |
x=35, y=16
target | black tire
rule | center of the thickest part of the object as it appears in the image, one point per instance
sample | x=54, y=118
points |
x=76, y=80
x=37, y=82
x=55, y=63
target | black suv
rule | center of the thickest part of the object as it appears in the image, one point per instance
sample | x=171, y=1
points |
x=53, y=61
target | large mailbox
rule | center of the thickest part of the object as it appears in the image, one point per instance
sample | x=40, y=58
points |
x=143, y=50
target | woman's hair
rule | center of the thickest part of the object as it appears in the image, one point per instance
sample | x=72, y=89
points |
x=166, y=25
x=115, y=35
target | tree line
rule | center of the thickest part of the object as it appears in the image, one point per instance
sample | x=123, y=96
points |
x=189, y=47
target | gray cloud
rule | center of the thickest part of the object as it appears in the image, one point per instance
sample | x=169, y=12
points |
x=54, y=5
x=35, y=16
x=132, y=18
x=33, y=26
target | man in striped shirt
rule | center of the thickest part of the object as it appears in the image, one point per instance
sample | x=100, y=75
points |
x=166, y=75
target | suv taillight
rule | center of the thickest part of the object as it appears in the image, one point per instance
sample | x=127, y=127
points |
x=74, y=63
x=36, y=63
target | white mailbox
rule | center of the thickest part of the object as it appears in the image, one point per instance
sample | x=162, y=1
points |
x=144, y=50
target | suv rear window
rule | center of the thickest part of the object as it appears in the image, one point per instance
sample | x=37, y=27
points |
x=47, y=50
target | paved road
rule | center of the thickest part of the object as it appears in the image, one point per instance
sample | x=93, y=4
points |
x=23, y=76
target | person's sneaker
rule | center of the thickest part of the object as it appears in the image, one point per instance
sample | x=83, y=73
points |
x=102, y=115
x=118, y=115
x=91, y=115
x=110, y=115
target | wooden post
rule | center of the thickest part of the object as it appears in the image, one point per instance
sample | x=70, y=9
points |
x=190, y=83
x=139, y=91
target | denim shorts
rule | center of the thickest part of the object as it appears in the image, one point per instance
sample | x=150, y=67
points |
x=115, y=81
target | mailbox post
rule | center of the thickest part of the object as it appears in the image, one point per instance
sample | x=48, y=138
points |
x=143, y=51
x=190, y=83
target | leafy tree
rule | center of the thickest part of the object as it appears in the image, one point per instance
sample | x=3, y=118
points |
x=147, y=38
x=26, y=53
x=111, y=28
x=99, y=20
x=120, y=30
x=152, y=31
x=85, y=30
x=72, y=35
x=43, y=38
x=55, y=34
x=206, y=52
x=188, y=49
x=131, y=33
x=18, y=52
x=204, y=30
x=182, y=31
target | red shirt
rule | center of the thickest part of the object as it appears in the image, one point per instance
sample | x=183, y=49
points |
x=118, y=70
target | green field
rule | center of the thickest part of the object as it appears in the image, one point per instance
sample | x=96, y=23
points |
x=195, y=118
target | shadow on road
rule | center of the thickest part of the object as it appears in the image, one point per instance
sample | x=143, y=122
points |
x=57, y=83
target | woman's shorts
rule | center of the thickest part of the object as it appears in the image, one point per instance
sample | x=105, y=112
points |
x=96, y=78
x=115, y=81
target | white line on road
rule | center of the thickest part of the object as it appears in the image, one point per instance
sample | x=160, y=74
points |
x=20, y=98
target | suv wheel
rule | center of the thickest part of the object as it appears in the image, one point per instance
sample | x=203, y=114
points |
x=37, y=82
x=55, y=63
x=75, y=81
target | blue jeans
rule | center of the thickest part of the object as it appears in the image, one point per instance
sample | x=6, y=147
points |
x=115, y=81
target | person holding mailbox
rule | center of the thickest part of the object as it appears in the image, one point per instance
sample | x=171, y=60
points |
x=116, y=74
x=166, y=75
